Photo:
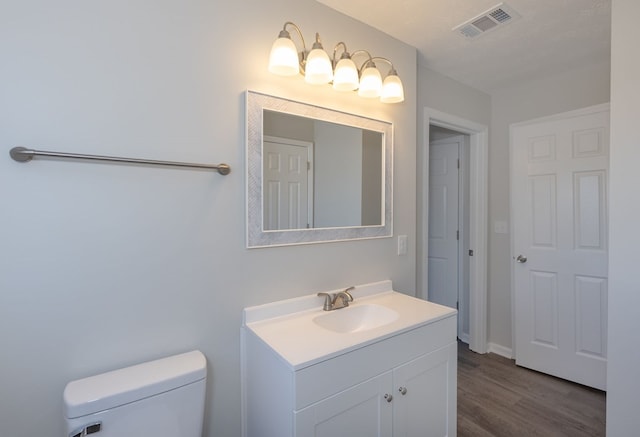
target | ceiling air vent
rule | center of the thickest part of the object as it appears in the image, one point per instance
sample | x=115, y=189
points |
x=495, y=17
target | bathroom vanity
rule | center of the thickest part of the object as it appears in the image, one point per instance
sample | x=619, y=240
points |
x=383, y=366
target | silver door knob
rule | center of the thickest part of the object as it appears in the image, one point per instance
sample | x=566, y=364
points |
x=521, y=259
x=403, y=390
x=388, y=397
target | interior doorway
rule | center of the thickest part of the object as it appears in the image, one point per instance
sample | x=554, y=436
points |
x=448, y=250
x=559, y=215
x=478, y=203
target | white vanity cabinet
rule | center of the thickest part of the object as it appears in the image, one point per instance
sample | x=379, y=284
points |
x=413, y=399
x=400, y=383
x=359, y=410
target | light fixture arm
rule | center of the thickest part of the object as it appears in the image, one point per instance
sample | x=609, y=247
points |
x=345, y=53
x=317, y=44
x=392, y=71
x=366, y=63
x=284, y=33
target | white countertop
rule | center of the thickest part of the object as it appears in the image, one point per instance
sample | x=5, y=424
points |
x=287, y=326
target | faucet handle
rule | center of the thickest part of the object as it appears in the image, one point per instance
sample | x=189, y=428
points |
x=344, y=298
x=328, y=301
x=349, y=294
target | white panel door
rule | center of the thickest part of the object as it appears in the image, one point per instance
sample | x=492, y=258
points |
x=559, y=208
x=286, y=201
x=443, y=222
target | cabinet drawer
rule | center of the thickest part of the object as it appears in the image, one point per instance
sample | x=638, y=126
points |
x=321, y=380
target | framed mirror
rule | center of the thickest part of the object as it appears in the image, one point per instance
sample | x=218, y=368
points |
x=315, y=174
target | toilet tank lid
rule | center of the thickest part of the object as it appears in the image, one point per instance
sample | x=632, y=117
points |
x=119, y=387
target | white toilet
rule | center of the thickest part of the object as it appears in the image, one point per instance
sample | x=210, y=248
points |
x=162, y=398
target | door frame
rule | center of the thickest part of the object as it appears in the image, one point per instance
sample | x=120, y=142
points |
x=555, y=117
x=478, y=202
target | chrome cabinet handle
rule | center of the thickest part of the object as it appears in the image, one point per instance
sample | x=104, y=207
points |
x=403, y=390
x=388, y=397
x=521, y=259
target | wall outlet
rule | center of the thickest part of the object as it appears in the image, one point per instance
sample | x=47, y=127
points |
x=402, y=244
x=500, y=227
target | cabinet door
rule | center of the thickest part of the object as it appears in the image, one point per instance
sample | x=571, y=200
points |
x=425, y=395
x=361, y=410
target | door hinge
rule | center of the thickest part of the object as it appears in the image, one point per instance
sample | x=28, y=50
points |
x=458, y=306
x=470, y=252
x=458, y=162
x=457, y=235
x=308, y=165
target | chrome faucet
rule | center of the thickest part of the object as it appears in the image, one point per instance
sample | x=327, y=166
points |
x=338, y=300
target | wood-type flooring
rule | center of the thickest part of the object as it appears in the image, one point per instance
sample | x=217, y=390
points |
x=498, y=398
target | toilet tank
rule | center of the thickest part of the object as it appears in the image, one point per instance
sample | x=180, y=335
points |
x=161, y=398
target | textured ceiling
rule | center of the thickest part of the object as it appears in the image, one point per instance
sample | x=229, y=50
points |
x=551, y=37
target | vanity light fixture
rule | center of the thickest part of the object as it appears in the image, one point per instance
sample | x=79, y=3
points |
x=343, y=73
x=345, y=76
x=370, y=79
x=284, y=59
x=318, y=70
x=392, y=90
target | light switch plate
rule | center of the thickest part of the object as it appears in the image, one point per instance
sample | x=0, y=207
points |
x=402, y=244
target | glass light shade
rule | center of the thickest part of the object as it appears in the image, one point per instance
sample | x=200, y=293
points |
x=370, y=83
x=283, y=59
x=392, y=90
x=345, y=78
x=318, y=70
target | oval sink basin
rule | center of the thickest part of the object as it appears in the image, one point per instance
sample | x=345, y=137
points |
x=356, y=319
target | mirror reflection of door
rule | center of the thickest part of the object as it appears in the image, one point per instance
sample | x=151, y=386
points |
x=288, y=184
x=345, y=183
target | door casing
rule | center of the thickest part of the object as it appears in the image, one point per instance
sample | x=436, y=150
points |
x=478, y=201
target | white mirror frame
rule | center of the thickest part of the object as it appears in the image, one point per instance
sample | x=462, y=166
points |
x=256, y=103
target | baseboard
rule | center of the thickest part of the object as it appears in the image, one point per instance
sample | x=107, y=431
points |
x=500, y=350
x=464, y=337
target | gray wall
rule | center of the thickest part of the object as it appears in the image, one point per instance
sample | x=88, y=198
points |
x=623, y=367
x=104, y=265
x=280, y=124
x=372, y=170
x=337, y=190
